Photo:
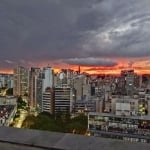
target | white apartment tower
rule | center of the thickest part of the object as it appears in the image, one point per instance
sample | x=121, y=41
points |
x=48, y=101
x=48, y=78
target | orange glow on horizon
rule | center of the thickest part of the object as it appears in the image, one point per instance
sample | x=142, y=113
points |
x=6, y=71
x=139, y=66
x=103, y=70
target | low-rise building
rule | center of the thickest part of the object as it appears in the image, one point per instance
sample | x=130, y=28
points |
x=132, y=128
x=83, y=106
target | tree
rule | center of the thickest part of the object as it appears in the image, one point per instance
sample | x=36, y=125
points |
x=29, y=121
x=20, y=102
x=63, y=123
x=9, y=91
x=78, y=125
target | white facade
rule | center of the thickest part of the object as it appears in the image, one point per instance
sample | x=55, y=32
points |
x=11, y=83
x=47, y=101
x=123, y=108
x=48, y=79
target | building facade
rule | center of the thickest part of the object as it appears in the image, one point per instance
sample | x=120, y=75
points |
x=48, y=101
x=34, y=75
x=21, y=81
x=64, y=98
x=48, y=78
x=129, y=128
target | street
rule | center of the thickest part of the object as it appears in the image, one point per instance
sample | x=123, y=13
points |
x=23, y=114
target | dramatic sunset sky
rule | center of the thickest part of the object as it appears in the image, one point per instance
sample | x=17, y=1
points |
x=102, y=36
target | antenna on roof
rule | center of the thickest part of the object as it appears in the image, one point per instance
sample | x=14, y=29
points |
x=79, y=70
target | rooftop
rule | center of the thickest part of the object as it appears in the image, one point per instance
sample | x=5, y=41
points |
x=13, y=138
x=119, y=116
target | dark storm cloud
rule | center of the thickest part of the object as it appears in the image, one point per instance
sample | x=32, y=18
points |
x=99, y=68
x=91, y=62
x=37, y=30
x=126, y=34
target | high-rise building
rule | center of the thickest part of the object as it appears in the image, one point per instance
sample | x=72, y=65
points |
x=127, y=82
x=82, y=85
x=21, y=81
x=48, y=78
x=39, y=88
x=64, y=98
x=65, y=77
x=48, y=101
x=10, y=82
x=34, y=75
x=6, y=80
x=61, y=78
x=78, y=85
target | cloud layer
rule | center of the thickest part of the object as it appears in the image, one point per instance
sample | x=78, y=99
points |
x=91, y=62
x=81, y=32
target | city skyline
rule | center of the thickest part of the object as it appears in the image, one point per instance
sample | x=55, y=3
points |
x=100, y=36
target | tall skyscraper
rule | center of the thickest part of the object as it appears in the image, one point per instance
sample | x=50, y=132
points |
x=48, y=78
x=34, y=75
x=48, y=101
x=64, y=98
x=39, y=88
x=21, y=81
x=127, y=82
x=82, y=85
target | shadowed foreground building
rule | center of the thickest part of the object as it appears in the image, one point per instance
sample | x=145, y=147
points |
x=128, y=128
x=42, y=140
